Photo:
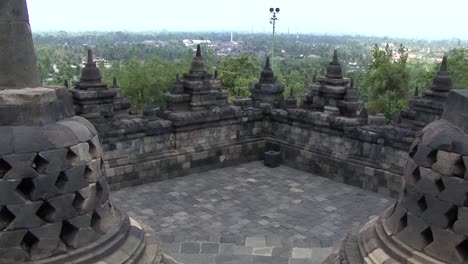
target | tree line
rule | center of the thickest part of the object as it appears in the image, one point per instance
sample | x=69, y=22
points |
x=385, y=76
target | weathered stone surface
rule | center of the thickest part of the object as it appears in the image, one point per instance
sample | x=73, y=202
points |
x=429, y=107
x=8, y=194
x=430, y=182
x=81, y=154
x=431, y=224
x=461, y=225
x=266, y=90
x=44, y=151
x=48, y=241
x=25, y=216
x=444, y=246
x=18, y=71
x=21, y=166
x=413, y=233
x=449, y=164
x=455, y=190
x=455, y=112
x=52, y=161
x=425, y=156
x=44, y=187
x=72, y=179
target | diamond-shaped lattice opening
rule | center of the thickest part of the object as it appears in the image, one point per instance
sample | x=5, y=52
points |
x=68, y=233
x=96, y=223
x=440, y=185
x=29, y=242
x=99, y=191
x=88, y=174
x=433, y=156
x=61, y=181
x=462, y=249
x=452, y=215
x=6, y=217
x=71, y=155
x=461, y=167
x=404, y=221
x=26, y=187
x=427, y=236
x=4, y=168
x=46, y=212
x=92, y=149
x=413, y=150
x=103, y=168
x=416, y=175
x=78, y=202
x=40, y=163
x=422, y=204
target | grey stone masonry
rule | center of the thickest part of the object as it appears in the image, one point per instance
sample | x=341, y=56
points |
x=249, y=213
x=17, y=57
x=429, y=107
x=94, y=100
x=55, y=204
x=333, y=94
x=427, y=222
x=266, y=93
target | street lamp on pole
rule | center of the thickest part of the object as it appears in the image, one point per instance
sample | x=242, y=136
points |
x=273, y=19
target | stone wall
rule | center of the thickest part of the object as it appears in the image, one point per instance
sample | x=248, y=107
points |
x=191, y=133
x=364, y=156
x=368, y=164
x=133, y=159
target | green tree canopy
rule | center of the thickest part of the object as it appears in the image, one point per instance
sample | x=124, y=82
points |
x=387, y=81
x=237, y=72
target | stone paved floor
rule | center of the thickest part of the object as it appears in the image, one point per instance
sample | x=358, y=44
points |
x=250, y=214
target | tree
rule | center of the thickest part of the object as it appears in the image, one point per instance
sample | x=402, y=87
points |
x=237, y=72
x=458, y=67
x=387, y=80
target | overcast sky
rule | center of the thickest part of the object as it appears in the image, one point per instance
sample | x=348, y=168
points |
x=398, y=18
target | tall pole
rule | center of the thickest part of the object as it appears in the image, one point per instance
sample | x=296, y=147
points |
x=273, y=19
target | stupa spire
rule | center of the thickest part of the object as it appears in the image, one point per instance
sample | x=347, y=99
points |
x=443, y=65
x=91, y=76
x=114, y=82
x=198, y=51
x=267, y=64
x=90, y=56
x=334, y=70
x=18, y=67
x=442, y=81
x=198, y=67
x=267, y=75
x=335, y=57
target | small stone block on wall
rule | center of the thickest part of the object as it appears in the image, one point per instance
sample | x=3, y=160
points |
x=272, y=159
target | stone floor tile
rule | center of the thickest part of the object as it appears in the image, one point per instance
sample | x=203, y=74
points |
x=301, y=253
x=209, y=248
x=233, y=259
x=190, y=248
x=252, y=205
x=264, y=251
x=194, y=259
x=269, y=260
x=255, y=241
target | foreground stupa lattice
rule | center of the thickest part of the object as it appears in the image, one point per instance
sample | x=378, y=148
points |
x=55, y=204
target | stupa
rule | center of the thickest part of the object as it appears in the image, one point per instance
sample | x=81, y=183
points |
x=266, y=92
x=92, y=97
x=429, y=222
x=332, y=93
x=197, y=97
x=429, y=107
x=55, y=204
